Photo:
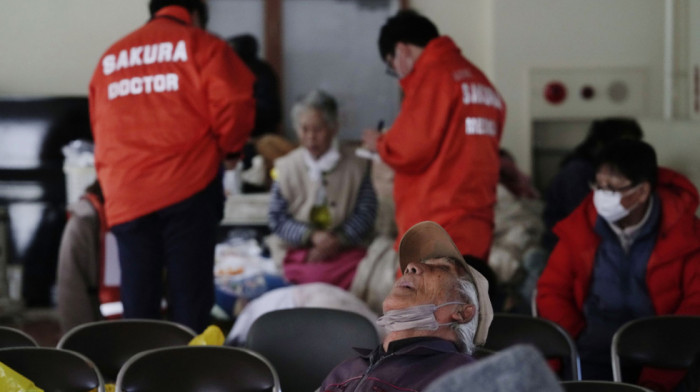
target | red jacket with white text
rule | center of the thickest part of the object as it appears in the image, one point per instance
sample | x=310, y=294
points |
x=443, y=147
x=167, y=102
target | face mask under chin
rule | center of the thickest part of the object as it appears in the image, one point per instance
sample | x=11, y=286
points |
x=421, y=317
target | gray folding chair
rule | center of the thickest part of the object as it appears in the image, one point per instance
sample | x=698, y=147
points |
x=109, y=344
x=12, y=337
x=549, y=338
x=305, y=344
x=669, y=342
x=52, y=369
x=198, y=368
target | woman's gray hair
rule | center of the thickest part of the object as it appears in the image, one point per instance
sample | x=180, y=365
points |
x=321, y=101
x=466, y=331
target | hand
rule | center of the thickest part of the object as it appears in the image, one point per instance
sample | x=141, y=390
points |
x=369, y=139
x=324, y=245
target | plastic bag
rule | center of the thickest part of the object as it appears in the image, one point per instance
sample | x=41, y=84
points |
x=212, y=336
x=240, y=270
x=108, y=388
x=11, y=381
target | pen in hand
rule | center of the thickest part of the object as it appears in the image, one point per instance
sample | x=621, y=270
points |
x=380, y=126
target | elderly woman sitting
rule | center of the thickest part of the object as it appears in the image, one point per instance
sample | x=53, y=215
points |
x=323, y=205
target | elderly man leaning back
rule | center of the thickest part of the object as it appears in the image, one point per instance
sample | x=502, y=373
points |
x=434, y=316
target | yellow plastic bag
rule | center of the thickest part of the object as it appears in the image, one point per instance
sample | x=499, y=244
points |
x=108, y=388
x=11, y=381
x=212, y=336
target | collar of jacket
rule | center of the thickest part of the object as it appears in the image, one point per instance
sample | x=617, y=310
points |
x=420, y=347
x=433, y=52
x=175, y=12
x=650, y=226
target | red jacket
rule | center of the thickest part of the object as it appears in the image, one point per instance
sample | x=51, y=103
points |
x=443, y=147
x=166, y=103
x=673, y=270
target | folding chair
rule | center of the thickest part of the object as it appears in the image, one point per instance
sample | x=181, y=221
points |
x=661, y=341
x=305, y=344
x=109, y=344
x=601, y=386
x=548, y=337
x=11, y=337
x=52, y=369
x=198, y=368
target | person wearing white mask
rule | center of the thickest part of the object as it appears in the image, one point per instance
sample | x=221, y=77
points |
x=434, y=316
x=323, y=204
x=630, y=250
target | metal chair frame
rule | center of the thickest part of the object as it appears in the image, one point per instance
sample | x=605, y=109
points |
x=60, y=362
x=12, y=337
x=188, y=357
x=641, y=341
x=110, y=343
x=305, y=344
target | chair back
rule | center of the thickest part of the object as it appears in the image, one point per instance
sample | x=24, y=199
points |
x=198, y=368
x=305, y=344
x=11, y=337
x=549, y=338
x=661, y=341
x=109, y=344
x=519, y=368
x=601, y=386
x=52, y=369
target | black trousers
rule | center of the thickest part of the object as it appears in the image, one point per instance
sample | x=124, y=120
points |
x=174, y=245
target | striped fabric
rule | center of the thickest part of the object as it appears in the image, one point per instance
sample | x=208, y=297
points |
x=354, y=229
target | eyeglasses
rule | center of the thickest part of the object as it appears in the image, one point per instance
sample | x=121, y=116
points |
x=595, y=187
x=390, y=71
x=389, y=65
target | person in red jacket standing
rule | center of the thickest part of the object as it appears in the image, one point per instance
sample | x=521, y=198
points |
x=443, y=146
x=168, y=104
x=630, y=250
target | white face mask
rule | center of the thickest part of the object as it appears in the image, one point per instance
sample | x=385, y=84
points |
x=415, y=317
x=609, y=206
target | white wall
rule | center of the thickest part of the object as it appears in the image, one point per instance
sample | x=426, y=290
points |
x=676, y=144
x=232, y=17
x=468, y=23
x=51, y=47
x=570, y=33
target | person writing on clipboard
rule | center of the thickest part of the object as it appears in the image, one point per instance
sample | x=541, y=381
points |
x=443, y=145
